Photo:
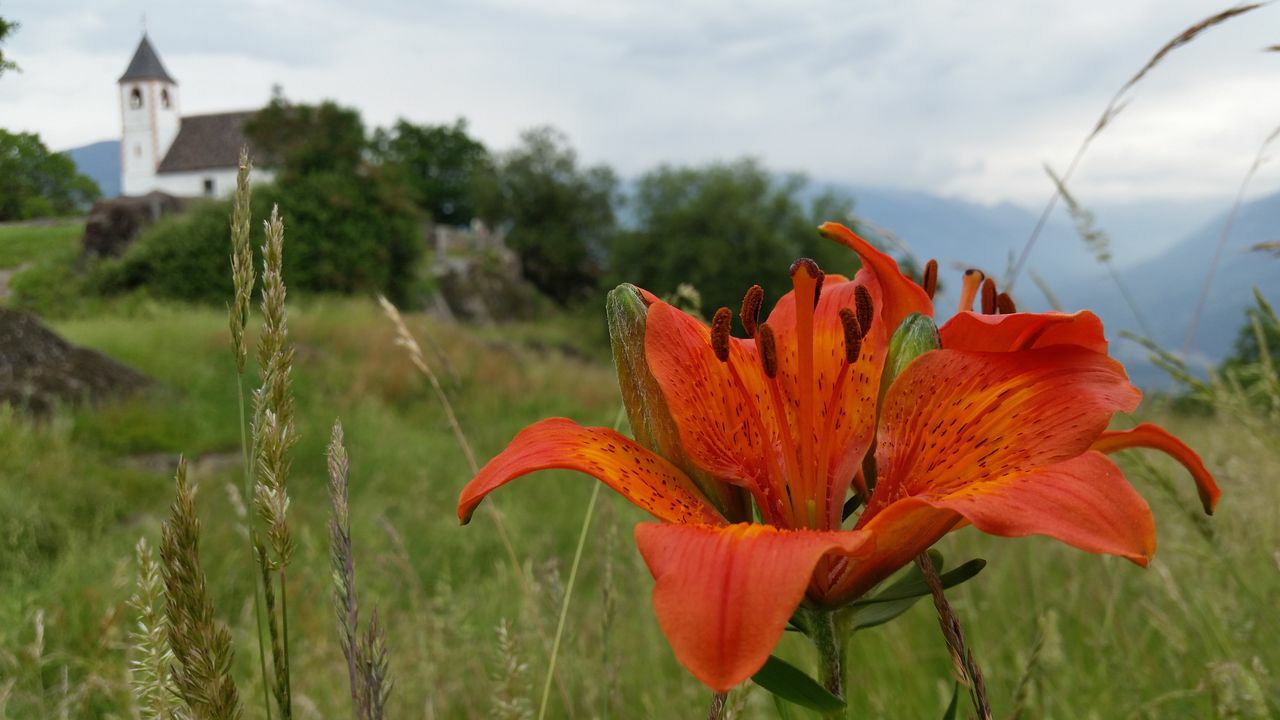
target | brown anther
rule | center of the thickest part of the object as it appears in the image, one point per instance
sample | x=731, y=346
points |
x=853, y=334
x=1004, y=304
x=720, y=326
x=768, y=350
x=866, y=308
x=930, y=280
x=814, y=272
x=988, y=297
x=750, y=314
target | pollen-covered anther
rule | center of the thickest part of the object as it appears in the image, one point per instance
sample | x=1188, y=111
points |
x=750, y=314
x=930, y=280
x=768, y=348
x=865, y=307
x=1005, y=305
x=988, y=297
x=814, y=272
x=720, y=326
x=853, y=334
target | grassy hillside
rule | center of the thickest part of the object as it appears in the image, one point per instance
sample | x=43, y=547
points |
x=1190, y=637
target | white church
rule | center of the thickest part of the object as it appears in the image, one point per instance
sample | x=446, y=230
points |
x=162, y=151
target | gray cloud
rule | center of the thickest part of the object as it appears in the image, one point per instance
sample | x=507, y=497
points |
x=959, y=98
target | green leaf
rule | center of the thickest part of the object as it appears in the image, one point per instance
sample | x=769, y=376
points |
x=953, y=710
x=792, y=684
x=913, y=584
x=904, y=592
x=791, y=711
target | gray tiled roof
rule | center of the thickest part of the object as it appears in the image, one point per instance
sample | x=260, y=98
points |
x=146, y=65
x=207, y=141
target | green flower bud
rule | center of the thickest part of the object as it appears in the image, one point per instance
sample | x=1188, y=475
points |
x=915, y=336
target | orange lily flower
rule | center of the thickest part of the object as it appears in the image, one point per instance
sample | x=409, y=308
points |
x=1003, y=428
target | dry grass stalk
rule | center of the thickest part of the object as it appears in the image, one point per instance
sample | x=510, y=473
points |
x=1097, y=242
x=274, y=435
x=201, y=646
x=962, y=658
x=367, y=663
x=405, y=339
x=1258, y=160
x=511, y=697
x=241, y=261
x=150, y=675
x=1117, y=103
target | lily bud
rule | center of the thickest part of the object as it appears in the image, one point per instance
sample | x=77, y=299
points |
x=916, y=336
x=651, y=423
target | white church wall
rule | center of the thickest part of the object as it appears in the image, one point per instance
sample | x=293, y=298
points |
x=150, y=121
x=215, y=182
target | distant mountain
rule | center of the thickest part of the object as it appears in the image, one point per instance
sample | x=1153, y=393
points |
x=1166, y=288
x=100, y=161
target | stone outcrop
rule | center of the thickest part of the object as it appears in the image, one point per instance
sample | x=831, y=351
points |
x=39, y=370
x=114, y=223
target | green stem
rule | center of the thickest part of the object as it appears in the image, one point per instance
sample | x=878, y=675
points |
x=248, y=498
x=287, y=710
x=830, y=656
x=568, y=594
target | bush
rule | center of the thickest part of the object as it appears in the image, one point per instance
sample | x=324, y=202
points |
x=343, y=234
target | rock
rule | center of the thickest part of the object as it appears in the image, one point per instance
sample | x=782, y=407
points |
x=113, y=224
x=478, y=277
x=39, y=369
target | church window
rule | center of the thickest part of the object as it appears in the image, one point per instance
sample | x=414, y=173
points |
x=208, y=186
x=164, y=99
x=135, y=99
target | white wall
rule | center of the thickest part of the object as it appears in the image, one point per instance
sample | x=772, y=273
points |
x=147, y=131
x=192, y=184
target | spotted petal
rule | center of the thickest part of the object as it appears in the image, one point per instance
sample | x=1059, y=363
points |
x=1155, y=437
x=723, y=595
x=1022, y=331
x=649, y=482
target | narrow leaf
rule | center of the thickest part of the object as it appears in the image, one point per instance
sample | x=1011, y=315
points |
x=953, y=710
x=792, y=684
x=913, y=585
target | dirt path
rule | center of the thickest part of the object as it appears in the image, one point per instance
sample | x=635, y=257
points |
x=5, y=275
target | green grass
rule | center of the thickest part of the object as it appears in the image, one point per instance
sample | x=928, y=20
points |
x=1185, y=638
x=22, y=244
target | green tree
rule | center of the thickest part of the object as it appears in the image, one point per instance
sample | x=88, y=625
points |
x=7, y=28
x=35, y=182
x=559, y=216
x=299, y=140
x=724, y=227
x=441, y=165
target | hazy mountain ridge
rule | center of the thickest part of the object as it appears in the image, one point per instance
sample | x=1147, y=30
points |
x=101, y=162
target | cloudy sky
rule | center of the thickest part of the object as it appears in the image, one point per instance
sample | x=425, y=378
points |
x=954, y=97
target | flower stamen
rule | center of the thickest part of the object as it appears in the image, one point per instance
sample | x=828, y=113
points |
x=1005, y=305
x=930, y=279
x=988, y=297
x=973, y=278
x=750, y=313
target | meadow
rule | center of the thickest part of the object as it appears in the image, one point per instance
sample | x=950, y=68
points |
x=1059, y=633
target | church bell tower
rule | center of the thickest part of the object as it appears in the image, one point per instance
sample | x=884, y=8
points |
x=149, y=119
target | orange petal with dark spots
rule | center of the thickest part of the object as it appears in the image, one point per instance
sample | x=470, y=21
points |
x=721, y=419
x=1085, y=502
x=1155, y=437
x=899, y=295
x=646, y=480
x=956, y=419
x=723, y=595
x=1022, y=331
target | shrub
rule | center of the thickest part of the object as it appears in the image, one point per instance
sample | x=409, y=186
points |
x=347, y=234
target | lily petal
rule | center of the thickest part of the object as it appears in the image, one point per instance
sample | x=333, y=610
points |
x=1022, y=331
x=719, y=428
x=955, y=419
x=1085, y=502
x=1147, y=435
x=900, y=295
x=723, y=595
x=899, y=532
x=646, y=480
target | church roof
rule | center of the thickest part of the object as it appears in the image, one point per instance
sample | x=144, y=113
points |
x=146, y=65
x=207, y=141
